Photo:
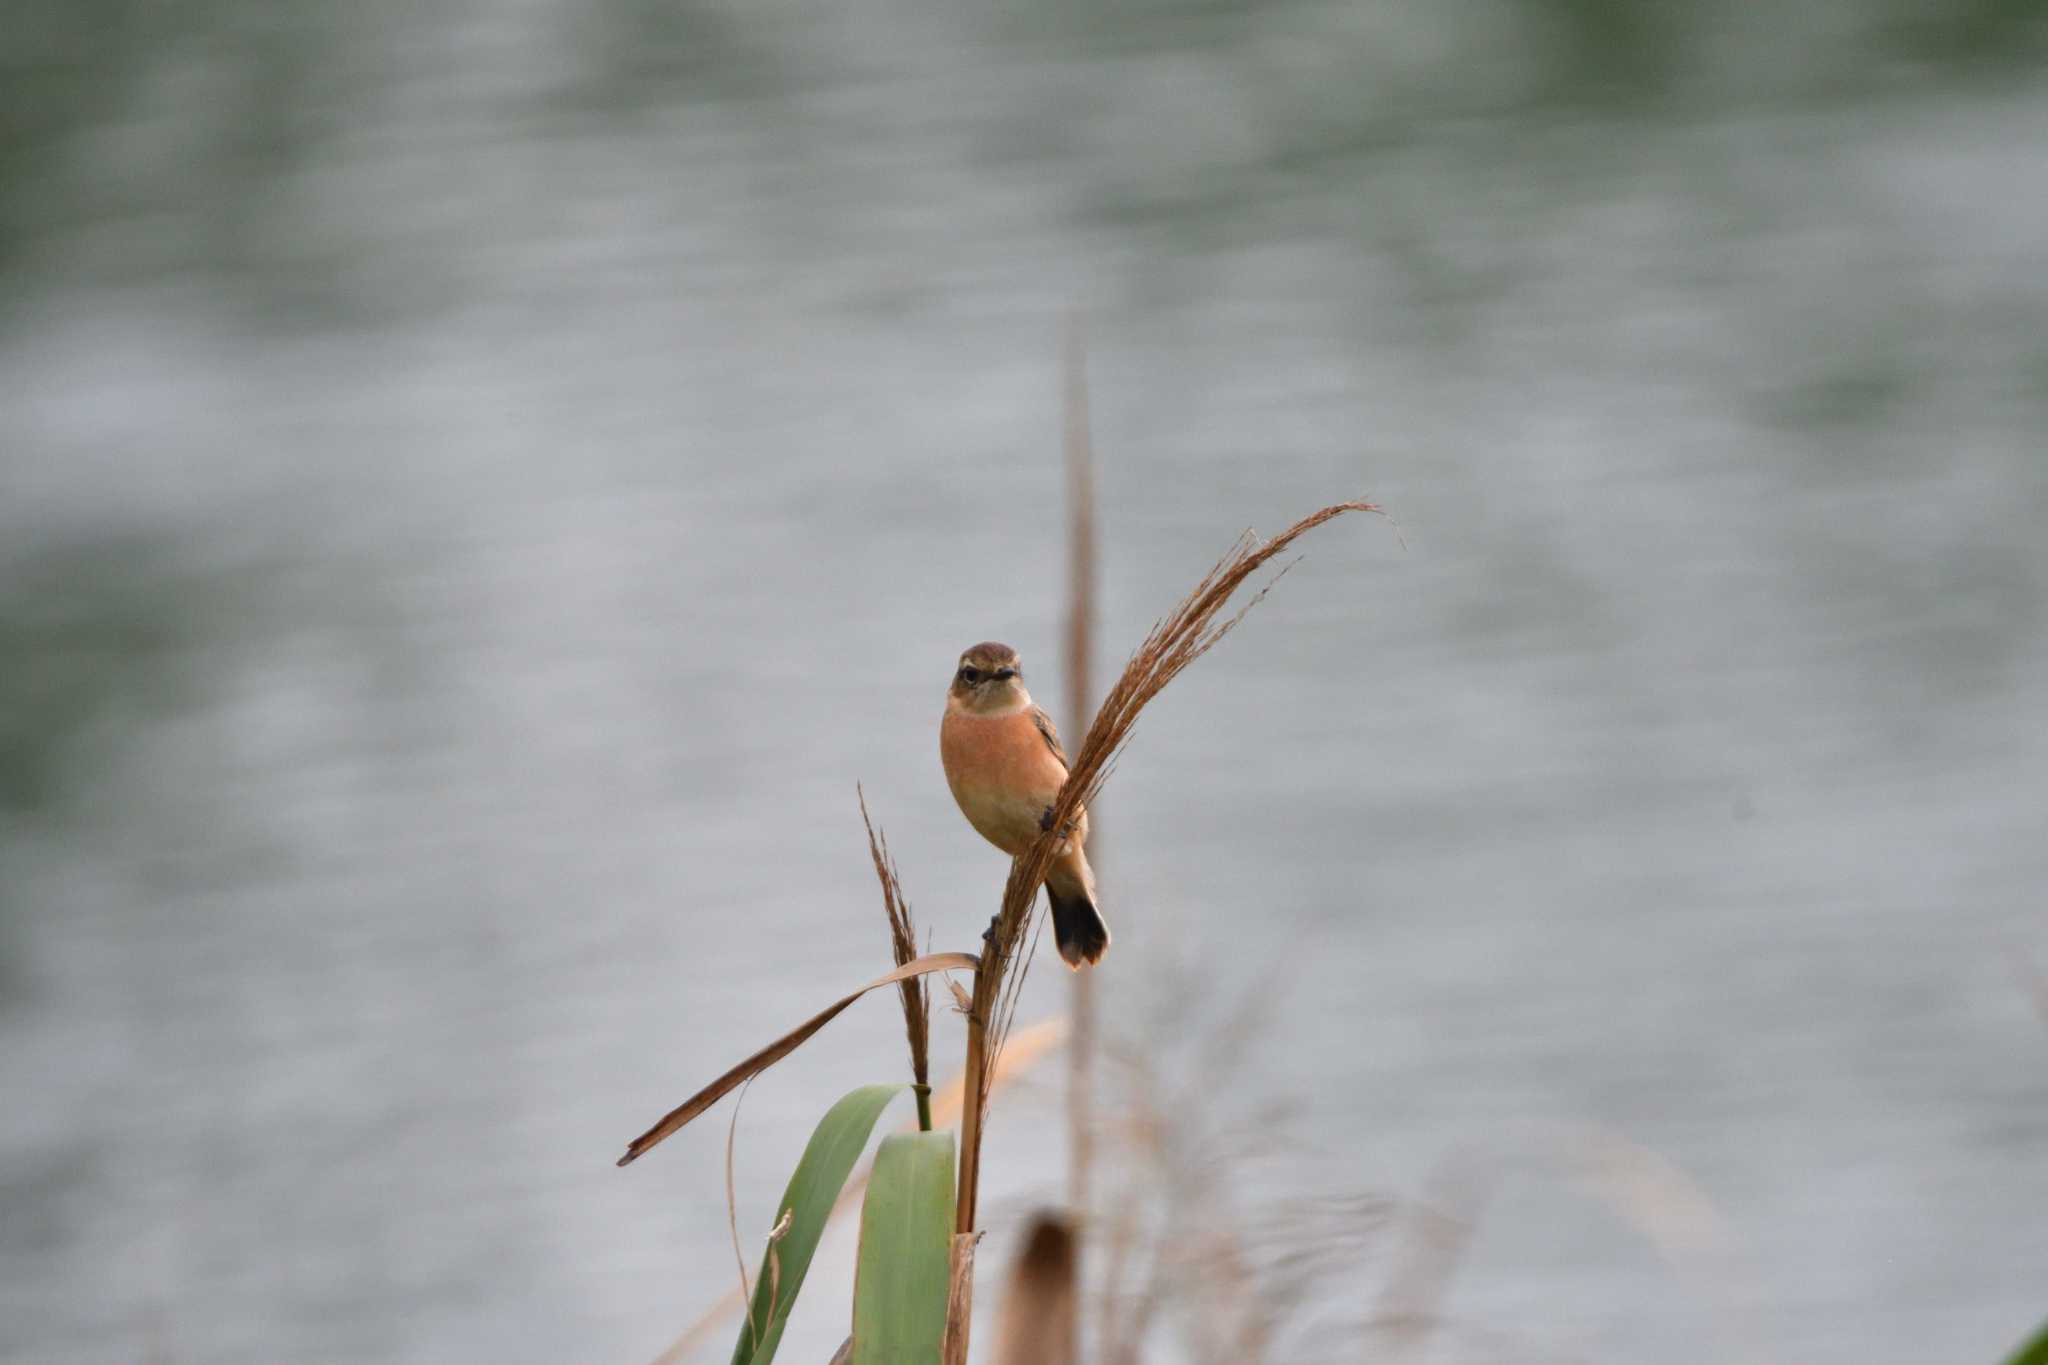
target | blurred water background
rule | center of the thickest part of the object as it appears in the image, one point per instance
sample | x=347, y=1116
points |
x=479, y=483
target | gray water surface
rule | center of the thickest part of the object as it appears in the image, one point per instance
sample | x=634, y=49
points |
x=479, y=486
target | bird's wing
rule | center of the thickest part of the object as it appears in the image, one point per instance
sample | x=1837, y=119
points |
x=1050, y=735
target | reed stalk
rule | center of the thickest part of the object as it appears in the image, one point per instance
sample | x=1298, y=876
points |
x=1190, y=630
x=1079, y=449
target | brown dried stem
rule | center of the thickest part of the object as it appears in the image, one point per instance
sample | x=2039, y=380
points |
x=959, y=1299
x=1079, y=449
x=915, y=990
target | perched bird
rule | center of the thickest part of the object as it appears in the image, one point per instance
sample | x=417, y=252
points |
x=1005, y=766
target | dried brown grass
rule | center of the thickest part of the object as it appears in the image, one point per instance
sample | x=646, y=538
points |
x=789, y=1042
x=915, y=991
x=1186, y=1131
x=1189, y=1131
x=1194, y=627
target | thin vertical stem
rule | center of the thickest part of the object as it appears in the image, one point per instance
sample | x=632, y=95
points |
x=1080, y=471
x=959, y=1299
x=972, y=1099
x=988, y=989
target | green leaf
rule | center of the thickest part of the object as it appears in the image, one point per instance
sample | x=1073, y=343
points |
x=835, y=1145
x=906, y=1238
x=2035, y=1352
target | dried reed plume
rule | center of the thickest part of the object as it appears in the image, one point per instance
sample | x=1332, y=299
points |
x=1188, y=632
x=1191, y=1117
x=915, y=990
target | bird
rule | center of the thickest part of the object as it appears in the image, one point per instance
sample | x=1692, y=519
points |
x=1004, y=763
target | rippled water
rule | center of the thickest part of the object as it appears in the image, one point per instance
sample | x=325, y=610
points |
x=478, y=491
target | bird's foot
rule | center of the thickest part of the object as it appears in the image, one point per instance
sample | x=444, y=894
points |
x=1045, y=824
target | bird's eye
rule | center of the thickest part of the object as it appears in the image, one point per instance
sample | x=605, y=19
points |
x=970, y=675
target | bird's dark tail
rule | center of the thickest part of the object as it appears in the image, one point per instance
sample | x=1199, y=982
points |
x=1077, y=926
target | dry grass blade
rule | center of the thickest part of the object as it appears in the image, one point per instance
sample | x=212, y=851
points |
x=732, y=1215
x=789, y=1042
x=917, y=1002
x=1040, y=1316
x=1663, y=1203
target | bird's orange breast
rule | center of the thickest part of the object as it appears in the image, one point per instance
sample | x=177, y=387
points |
x=1002, y=773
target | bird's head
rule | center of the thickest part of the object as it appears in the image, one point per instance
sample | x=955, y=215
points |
x=989, y=678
